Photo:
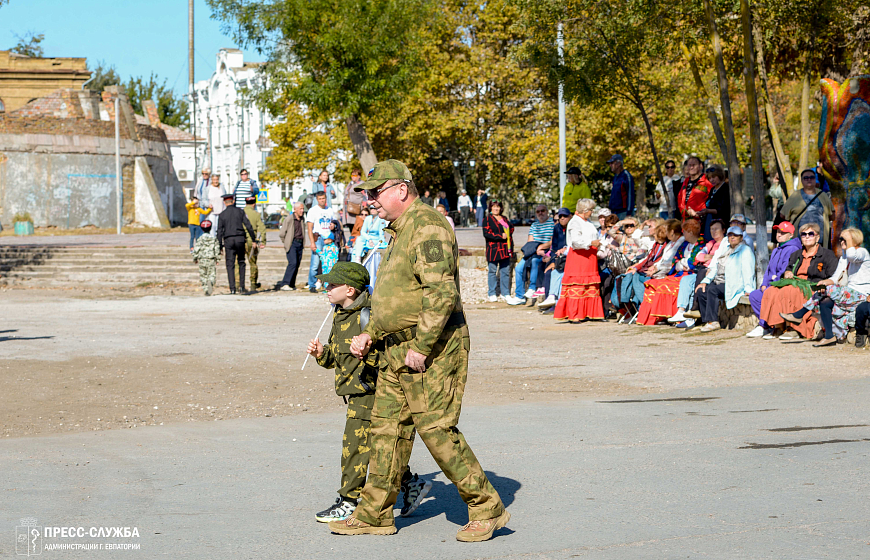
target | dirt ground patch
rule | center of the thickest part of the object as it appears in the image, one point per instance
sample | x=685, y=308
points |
x=74, y=360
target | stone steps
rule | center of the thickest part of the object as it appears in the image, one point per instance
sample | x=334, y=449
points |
x=121, y=266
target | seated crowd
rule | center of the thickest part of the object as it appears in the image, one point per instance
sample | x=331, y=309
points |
x=684, y=272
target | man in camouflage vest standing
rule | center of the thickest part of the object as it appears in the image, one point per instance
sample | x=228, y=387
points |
x=417, y=316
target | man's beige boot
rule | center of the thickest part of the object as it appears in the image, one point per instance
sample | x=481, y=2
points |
x=477, y=531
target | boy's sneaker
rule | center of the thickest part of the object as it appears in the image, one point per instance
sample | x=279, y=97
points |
x=513, y=300
x=547, y=303
x=529, y=293
x=339, y=511
x=413, y=492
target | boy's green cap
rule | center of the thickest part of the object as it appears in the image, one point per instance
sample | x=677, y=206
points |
x=351, y=274
x=383, y=172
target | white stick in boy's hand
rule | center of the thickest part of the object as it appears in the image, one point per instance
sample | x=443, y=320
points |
x=325, y=319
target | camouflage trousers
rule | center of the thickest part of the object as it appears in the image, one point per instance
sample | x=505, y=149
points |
x=252, y=251
x=355, y=445
x=207, y=275
x=430, y=402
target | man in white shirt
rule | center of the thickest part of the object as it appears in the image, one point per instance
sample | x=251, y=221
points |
x=464, y=205
x=318, y=220
x=215, y=200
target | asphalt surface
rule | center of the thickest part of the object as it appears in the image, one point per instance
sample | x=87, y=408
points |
x=771, y=471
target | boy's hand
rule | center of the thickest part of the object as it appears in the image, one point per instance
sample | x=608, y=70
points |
x=315, y=348
x=360, y=345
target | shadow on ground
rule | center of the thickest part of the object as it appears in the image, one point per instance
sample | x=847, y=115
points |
x=443, y=498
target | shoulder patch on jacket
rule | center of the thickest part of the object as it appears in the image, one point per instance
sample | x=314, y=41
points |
x=433, y=250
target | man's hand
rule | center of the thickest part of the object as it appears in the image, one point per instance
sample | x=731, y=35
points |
x=702, y=287
x=315, y=348
x=415, y=361
x=360, y=345
x=541, y=252
x=314, y=247
x=788, y=274
x=262, y=245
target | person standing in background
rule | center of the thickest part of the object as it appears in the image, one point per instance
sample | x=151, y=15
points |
x=244, y=188
x=464, y=204
x=216, y=202
x=480, y=206
x=576, y=187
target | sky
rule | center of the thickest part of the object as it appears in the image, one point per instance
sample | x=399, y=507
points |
x=138, y=38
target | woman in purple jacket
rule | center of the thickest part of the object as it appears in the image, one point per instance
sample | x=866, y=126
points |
x=788, y=244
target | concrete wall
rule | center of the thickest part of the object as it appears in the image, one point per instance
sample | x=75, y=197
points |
x=66, y=180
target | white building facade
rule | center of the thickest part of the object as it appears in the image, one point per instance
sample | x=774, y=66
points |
x=235, y=131
x=233, y=127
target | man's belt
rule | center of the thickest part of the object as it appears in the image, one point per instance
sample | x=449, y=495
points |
x=456, y=320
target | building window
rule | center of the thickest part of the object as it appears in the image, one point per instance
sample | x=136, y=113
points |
x=286, y=190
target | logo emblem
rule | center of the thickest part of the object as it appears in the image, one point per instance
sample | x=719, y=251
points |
x=433, y=251
x=28, y=538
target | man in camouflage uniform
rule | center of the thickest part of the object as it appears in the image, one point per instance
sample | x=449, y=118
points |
x=417, y=315
x=355, y=381
x=205, y=253
x=253, y=246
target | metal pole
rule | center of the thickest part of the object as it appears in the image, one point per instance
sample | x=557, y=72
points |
x=118, y=159
x=192, y=90
x=563, y=165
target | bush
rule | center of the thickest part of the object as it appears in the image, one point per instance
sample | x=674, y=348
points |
x=22, y=217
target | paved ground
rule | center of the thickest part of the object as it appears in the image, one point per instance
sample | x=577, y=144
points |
x=606, y=441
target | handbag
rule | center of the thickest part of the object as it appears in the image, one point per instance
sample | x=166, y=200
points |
x=559, y=262
x=354, y=203
x=617, y=262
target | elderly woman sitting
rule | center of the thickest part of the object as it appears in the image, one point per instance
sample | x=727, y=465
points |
x=786, y=245
x=580, y=298
x=732, y=277
x=630, y=286
x=660, y=295
x=697, y=271
x=812, y=264
x=837, y=304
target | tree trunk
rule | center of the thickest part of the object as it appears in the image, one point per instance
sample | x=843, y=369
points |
x=705, y=97
x=760, y=212
x=783, y=163
x=734, y=171
x=805, y=121
x=361, y=145
x=652, y=145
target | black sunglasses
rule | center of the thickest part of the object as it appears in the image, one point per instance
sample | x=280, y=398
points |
x=808, y=234
x=843, y=240
x=808, y=177
x=670, y=167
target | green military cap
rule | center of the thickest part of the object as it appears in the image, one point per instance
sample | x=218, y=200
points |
x=351, y=274
x=383, y=172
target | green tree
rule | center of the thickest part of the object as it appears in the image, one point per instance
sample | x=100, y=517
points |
x=29, y=44
x=338, y=58
x=171, y=108
x=103, y=75
x=610, y=50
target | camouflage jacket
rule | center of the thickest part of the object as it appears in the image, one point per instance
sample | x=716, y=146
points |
x=257, y=222
x=352, y=376
x=418, y=278
x=206, y=248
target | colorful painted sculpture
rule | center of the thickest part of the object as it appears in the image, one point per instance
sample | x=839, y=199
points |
x=844, y=150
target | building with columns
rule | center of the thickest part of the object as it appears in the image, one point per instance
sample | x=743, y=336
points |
x=233, y=127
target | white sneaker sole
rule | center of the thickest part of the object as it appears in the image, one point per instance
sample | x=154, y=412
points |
x=423, y=493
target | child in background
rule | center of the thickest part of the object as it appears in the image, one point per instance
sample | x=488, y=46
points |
x=329, y=254
x=205, y=253
x=443, y=209
x=194, y=214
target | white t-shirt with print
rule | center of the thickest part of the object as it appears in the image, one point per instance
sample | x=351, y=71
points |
x=320, y=217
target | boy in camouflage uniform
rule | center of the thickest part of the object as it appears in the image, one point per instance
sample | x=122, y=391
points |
x=205, y=253
x=355, y=381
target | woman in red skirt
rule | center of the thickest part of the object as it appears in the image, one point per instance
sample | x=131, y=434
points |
x=660, y=294
x=581, y=297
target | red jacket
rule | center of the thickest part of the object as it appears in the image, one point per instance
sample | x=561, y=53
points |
x=497, y=247
x=697, y=196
